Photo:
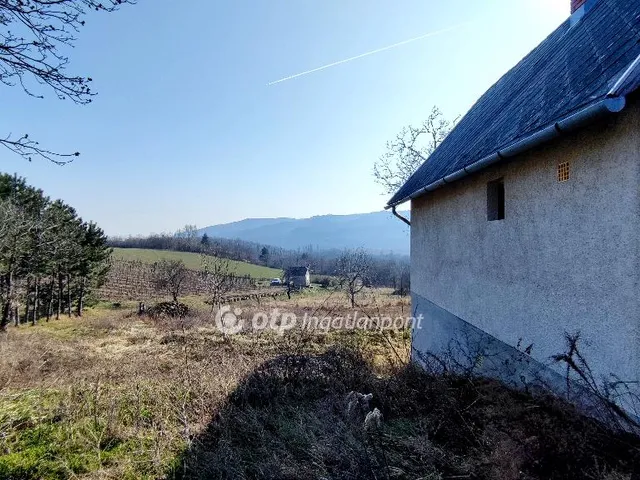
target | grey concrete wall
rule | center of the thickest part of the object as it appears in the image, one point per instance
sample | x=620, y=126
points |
x=566, y=258
x=453, y=344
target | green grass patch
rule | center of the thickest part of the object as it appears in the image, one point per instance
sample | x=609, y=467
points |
x=192, y=261
x=50, y=434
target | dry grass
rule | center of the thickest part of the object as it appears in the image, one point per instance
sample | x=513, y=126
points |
x=290, y=419
x=116, y=396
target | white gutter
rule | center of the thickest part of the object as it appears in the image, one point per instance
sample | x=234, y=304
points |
x=635, y=66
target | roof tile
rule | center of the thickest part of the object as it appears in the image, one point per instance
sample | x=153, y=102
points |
x=572, y=68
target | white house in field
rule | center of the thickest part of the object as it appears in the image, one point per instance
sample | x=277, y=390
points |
x=525, y=222
x=298, y=276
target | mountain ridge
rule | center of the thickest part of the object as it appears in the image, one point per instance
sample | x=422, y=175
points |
x=377, y=232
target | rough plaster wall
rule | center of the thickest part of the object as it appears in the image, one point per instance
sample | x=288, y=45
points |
x=566, y=258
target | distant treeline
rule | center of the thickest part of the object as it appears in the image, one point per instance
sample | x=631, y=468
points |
x=386, y=270
x=50, y=259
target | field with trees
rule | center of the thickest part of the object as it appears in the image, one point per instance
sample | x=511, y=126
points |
x=389, y=271
x=193, y=261
x=119, y=363
x=114, y=368
x=118, y=395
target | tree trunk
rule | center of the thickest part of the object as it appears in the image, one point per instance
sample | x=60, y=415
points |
x=50, y=305
x=60, y=290
x=80, y=298
x=27, y=303
x=6, y=311
x=69, y=296
x=36, y=302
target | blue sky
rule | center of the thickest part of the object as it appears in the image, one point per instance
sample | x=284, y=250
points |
x=185, y=129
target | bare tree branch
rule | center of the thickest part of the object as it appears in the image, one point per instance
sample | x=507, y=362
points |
x=34, y=35
x=169, y=276
x=218, y=278
x=27, y=149
x=354, y=267
x=411, y=148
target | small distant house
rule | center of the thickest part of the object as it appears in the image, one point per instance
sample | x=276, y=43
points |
x=525, y=221
x=298, y=276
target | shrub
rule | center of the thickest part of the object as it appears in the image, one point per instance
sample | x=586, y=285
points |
x=169, y=309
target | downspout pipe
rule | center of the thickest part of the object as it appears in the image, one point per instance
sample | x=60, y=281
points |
x=393, y=210
x=571, y=123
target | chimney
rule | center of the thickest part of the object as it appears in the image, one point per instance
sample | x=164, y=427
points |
x=576, y=5
x=579, y=8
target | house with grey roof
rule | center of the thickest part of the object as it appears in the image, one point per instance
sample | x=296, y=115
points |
x=298, y=277
x=525, y=221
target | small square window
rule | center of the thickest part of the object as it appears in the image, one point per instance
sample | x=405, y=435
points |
x=563, y=172
x=495, y=200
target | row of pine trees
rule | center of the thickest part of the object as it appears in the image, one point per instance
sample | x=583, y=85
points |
x=50, y=259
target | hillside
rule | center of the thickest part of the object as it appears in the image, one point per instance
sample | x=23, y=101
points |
x=122, y=396
x=192, y=261
x=378, y=232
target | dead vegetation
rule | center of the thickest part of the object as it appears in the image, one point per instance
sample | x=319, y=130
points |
x=291, y=419
x=118, y=396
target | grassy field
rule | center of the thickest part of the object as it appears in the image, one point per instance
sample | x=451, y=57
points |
x=192, y=261
x=117, y=396
x=113, y=395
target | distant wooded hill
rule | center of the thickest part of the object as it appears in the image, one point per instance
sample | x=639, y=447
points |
x=378, y=232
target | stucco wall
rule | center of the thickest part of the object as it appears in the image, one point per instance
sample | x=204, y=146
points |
x=301, y=280
x=566, y=257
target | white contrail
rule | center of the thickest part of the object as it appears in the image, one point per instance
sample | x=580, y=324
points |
x=389, y=47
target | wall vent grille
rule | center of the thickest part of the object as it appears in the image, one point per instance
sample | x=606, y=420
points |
x=563, y=172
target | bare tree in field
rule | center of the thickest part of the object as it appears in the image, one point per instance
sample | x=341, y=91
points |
x=190, y=232
x=218, y=278
x=410, y=149
x=169, y=276
x=354, y=268
x=34, y=36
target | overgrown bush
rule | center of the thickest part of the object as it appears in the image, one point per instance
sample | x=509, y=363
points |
x=291, y=419
x=169, y=309
x=325, y=281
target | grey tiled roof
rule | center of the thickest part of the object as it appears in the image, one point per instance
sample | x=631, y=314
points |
x=573, y=68
x=297, y=271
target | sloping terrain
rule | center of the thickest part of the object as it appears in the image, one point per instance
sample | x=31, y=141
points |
x=118, y=396
x=193, y=261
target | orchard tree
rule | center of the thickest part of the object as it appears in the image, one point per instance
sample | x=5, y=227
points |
x=34, y=38
x=218, y=278
x=411, y=148
x=354, y=269
x=169, y=276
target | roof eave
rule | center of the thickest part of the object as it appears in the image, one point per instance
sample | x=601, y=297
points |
x=580, y=119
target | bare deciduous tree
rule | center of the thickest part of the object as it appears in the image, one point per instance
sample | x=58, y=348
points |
x=190, y=232
x=169, y=276
x=218, y=278
x=353, y=271
x=34, y=35
x=410, y=149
